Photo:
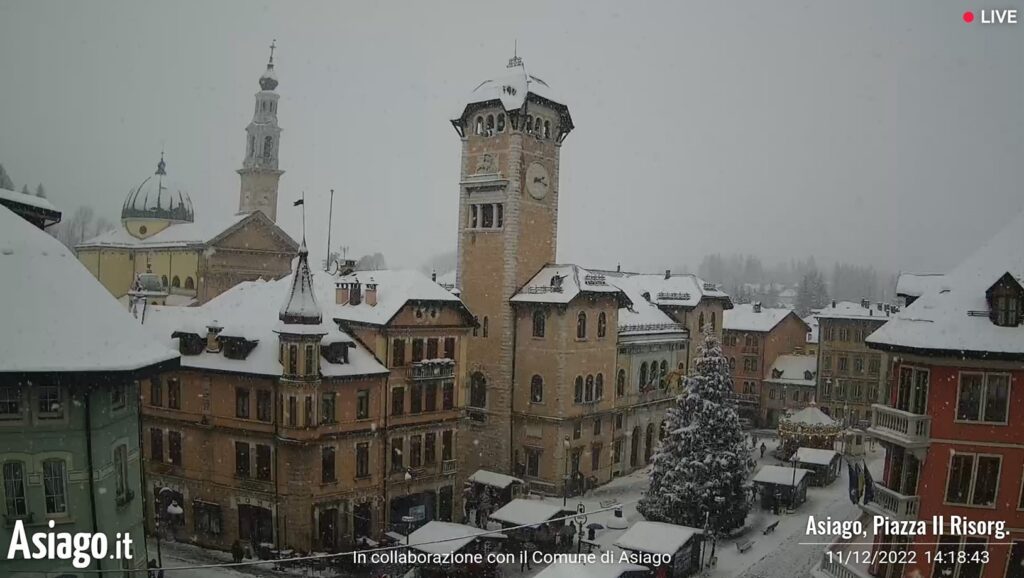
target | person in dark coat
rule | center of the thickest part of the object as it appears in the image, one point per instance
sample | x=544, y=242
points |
x=763, y=448
x=237, y=553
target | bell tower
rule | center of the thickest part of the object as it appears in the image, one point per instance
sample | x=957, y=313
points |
x=512, y=131
x=259, y=173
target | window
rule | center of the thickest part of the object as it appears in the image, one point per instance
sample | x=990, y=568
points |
x=960, y=557
x=588, y=395
x=618, y=421
x=268, y=147
x=732, y=364
x=156, y=444
x=189, y=283
x=973, y=479
x=771, y=393
x=174, y=447
x=14, y=489
x=617, y=451
x=577, y=430
x=858, y=365
x=484, y=327
x=175, y=282
x=599, y=386
x=327, y=475
x=397, y=400
x=490, y=122
x=713, y=322
x=538, y=323
x=432, y=348
x=242, y=402
x=478, y=390
x=597, y=426
x=448, y=395
x=293, y=361
x=363, y=404
x=398, y=353
x=873, y=366
x=449, y=347
x=532, y=462
x=479, y=125
x=826, y=362
x=500, y=213
x=363, y=460
x=578, y=390
x=430, y=397
x=242, y=459
x=912, y=390
x=487, y=216
x=10, y=402
x=700, y=322
x=643, y=376
x=55, y=483
x=327, y=408
x=983, y=397
x=309, y=360
x=843, y=363
x=501, y=122
x=262, y=462
x=309, y=412
x=663, y=374
x=397, y=464
x=602, y=324
x=1005, y=300
x=416, y=398
x=174, y=393
x=446, y=445
x=581, y=325
x=208, y=517
x=430, y=449
x=50, y=402
x=595, y=457
x=474, y=216
x=537, y=389
x=293, y=411
x=263, y=405
x=415, y=451
x=620, y=383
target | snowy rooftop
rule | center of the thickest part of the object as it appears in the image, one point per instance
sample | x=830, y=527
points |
x=656, y=537
x=955, y=317
x=812, y=323
x=780, y=475
x=641, y=315
x=747, y=317
x=30, y=200
x=562, y=284
x=510, y=86
x=300, y=305
x=522, y=511
x=176, y=235
x=815, y=456
x=456, y=536
x=851, y=310
x=447, y=281
x=794, y=369
x=56, y=316
x=810, y=415
x=395, y=288
x=673, y=290
x=917, y=284
x=494, y=479
x=597, y=570
x=249, y=310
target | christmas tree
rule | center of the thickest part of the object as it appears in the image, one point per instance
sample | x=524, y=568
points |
x=701, y=464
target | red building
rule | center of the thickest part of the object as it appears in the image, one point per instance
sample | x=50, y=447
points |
x=953, y=427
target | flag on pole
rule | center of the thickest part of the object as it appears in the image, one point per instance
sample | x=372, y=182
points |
x=853, y=482
x=299, y=202
x=869, y=485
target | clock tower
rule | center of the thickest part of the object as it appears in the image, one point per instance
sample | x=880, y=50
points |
x=512, y=131
x=259, y=173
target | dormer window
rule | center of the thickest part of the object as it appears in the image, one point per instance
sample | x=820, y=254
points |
x=1005, y=301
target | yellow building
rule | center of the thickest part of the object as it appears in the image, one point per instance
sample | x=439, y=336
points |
x=198, y=260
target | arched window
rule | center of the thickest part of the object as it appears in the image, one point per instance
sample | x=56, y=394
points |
x=189, y=283
x=664, y=374
x=599, y=386
x=537, y=128
x=537, y=389
x=163, y=280
x=589, y=392
x=732, y=363
x=501, y=122
x=547, y=129
x=538, y=323
x=529, y=123
x=620, y=383
x=478, y=390
x=175, y=282
x=252, y=145
x=602, y=324
x=643, y=375
x=712, y=321
x=577, y=394
x=581, y=325
x=479, y=125
x=490, y=122
x=476, y=326
x=485, y=326
x=700, y=323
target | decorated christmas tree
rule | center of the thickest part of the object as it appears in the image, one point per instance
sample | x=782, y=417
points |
x=701, y=464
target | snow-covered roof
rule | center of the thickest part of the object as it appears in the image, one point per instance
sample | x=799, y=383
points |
x=815, y=456
x=673, y=289
x=521, y=511
x=300, y=305
x=563, y=283
x=510, y=86
x=794, y=369
x=158, y=197
x=641, y=315
x=395, y=288
x=780, y=475
x=456, y=536
x=176, y=235
x=851, y=310
x=249, y=310
x=812, y=323
x=917, y=284
x=809, y=415
x=597, y=570
x=56, y=316
x=447, y=281
x=30, y=200
x=748, y=317
x=954, y=319
x=656, y=537
x=494, y=479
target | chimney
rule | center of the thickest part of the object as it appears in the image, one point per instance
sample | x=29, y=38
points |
x=865, y=303
x=433, y=276
x=757, y=307
x=668, y=273
x=879, y=305
x=833, y=304
x=212, y=342
x=341, y=293
x=618, y=267
x=371, y=293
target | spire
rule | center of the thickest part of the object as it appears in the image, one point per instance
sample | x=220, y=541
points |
x=269, y=79
x=161, y=166
x=515, y=60
x=300, y=308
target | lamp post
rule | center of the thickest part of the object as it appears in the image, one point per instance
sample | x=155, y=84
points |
x=792, y=489
x=565, y=477
x=408, y=519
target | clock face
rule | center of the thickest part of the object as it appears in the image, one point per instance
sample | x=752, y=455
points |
x=538, y=182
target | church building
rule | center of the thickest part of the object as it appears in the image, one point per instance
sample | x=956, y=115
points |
x=196, y=259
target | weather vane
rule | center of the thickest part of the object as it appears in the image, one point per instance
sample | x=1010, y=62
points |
x=273, y=45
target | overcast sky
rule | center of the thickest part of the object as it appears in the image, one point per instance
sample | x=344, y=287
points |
x=875, y=132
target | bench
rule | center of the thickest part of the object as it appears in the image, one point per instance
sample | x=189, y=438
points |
x=744, y=545
x=770, y=528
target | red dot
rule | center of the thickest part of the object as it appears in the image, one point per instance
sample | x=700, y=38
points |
x=968, y=16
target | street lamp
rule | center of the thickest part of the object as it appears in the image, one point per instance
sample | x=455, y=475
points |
x=565, y=477
x=792, y=489
x=407, y=518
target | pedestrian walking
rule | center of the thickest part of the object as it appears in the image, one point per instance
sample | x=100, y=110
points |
x=763, y=448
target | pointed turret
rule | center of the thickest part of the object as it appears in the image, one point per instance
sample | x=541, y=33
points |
x=300, y=306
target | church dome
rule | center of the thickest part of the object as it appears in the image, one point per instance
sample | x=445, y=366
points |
x=158, y=197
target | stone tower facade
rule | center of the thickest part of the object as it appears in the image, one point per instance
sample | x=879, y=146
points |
x=259, y=173
x=512, y=130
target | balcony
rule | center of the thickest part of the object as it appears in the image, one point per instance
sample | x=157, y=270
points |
x=893, y=504
x=444, y=369
x=448, y=467
x=745, y=399
x=910, y=430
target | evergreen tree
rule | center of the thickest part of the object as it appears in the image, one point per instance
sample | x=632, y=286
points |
x=24, y=190
x=5, y=180
x=811, y=293
x=701, y=464
x=40, y=191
